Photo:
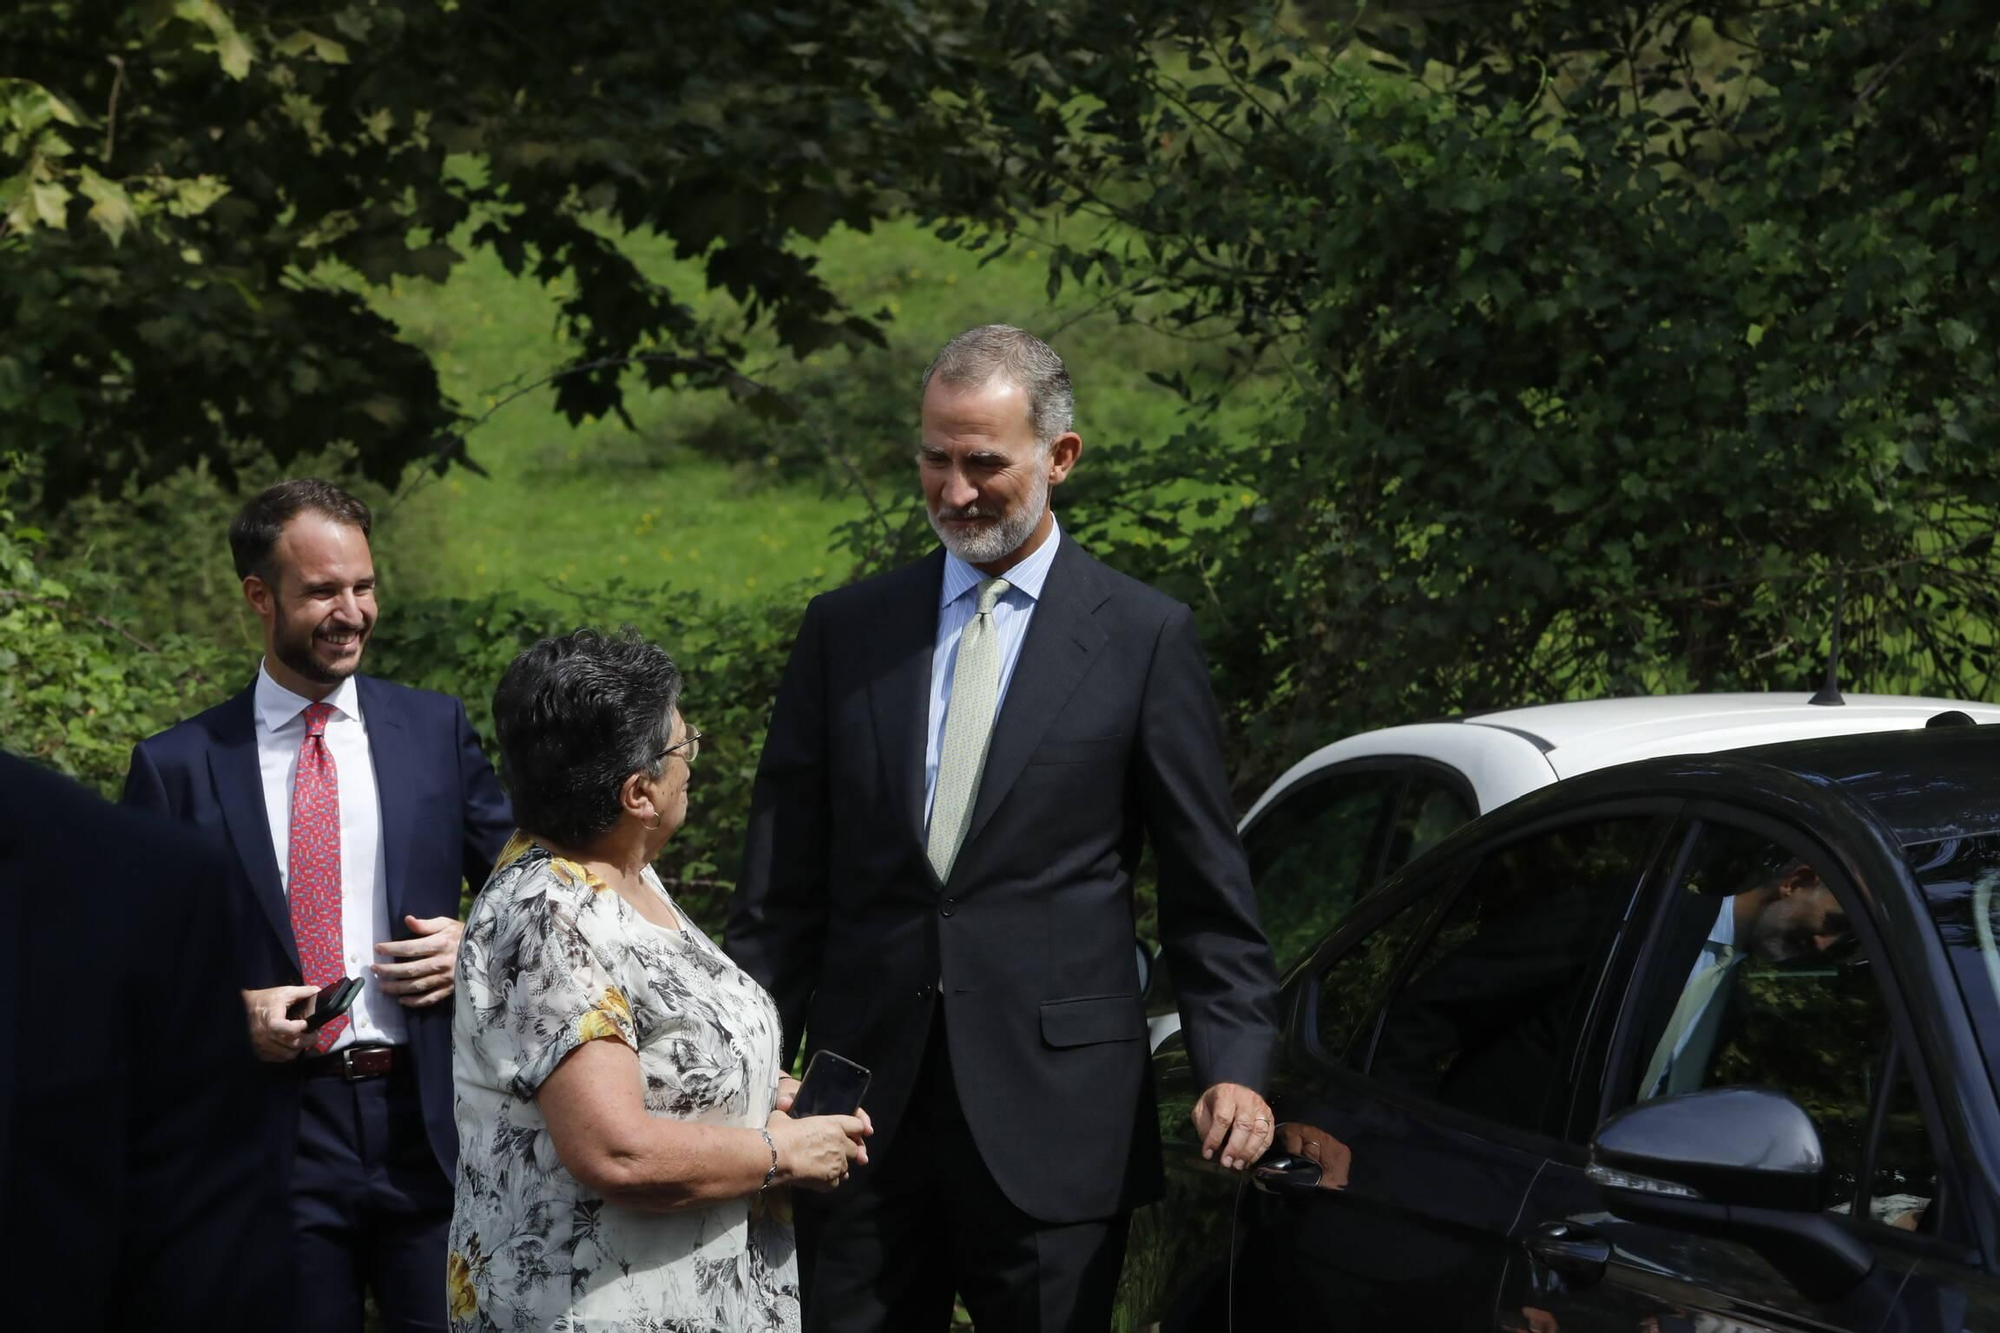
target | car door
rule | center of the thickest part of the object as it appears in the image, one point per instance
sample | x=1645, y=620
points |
x=1813, y=1016
x=1428, y=1057
x=1316, y=851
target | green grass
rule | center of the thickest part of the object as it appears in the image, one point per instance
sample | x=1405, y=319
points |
x=696, y=495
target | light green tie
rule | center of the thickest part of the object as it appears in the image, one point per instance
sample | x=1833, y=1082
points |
x=1698, y=1018
x=968, y=726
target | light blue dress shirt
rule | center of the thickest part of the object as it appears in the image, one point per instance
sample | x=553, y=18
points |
x=957, y=603
x=1722, y=937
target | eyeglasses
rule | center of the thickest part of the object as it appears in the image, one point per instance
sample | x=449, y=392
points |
x=692, y=745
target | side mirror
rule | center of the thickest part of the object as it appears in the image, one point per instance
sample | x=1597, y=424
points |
x=1725, y=1145
x=1741, y=1163
x=1145, y=957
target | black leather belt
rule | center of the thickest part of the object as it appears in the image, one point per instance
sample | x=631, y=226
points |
x=357, y=1063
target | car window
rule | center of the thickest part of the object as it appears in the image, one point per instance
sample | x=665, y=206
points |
x=1432, y=809
x=1760, y=981
x=1312, y=854
x=1350, y=988
x=1961, y=883
x=1487, y=1016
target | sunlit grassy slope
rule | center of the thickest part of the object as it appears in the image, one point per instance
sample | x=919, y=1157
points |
x=573, y=507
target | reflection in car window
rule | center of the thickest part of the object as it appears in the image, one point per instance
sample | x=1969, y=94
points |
x=1961, y=883
x=1491, y=1008
x=1762, y=983
x=1310, y=855
x=1350, y=987
x=1431, y=811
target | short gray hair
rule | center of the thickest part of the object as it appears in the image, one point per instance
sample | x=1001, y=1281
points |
x=978, y=355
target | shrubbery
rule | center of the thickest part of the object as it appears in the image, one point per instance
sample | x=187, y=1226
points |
x=76, y=689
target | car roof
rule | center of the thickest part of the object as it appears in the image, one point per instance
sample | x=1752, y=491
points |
x=1506, y=753
x=1924, y=785
x=1589, y=734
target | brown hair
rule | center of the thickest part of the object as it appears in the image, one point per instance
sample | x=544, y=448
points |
x=258, y=525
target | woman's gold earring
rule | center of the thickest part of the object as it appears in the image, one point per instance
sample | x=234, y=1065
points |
x=659, y=818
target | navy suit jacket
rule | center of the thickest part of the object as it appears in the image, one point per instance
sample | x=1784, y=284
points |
x=133, y=1177
x=444, y=821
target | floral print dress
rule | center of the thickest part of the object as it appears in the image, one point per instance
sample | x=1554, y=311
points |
x=553, y=957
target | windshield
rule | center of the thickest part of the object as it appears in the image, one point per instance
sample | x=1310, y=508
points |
x=1961, y=882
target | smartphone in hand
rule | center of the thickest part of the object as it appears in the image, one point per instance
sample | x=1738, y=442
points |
x=331, y=1002
x=833, y=1085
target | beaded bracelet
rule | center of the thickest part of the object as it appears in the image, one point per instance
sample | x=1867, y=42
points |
x=772, y=1174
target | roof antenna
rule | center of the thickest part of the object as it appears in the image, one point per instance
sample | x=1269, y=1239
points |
x=1829, y=693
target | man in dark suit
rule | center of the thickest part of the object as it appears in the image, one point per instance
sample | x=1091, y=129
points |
x=356, y=809
x=964, y=760
x=138, y=1188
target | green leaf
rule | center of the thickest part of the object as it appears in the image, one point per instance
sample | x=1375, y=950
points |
x=192, y=196
x=49, y=203
x=110, y=207
x=304, y=43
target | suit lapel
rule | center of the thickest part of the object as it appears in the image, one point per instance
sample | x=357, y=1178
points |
x=239, y=787
x=388, y=749
x=1062, y=639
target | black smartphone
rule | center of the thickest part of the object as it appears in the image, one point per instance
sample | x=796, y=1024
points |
x=332, y=1001
x=833, y=1085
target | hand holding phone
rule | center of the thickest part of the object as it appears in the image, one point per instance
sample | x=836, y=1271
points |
x=331, y=1002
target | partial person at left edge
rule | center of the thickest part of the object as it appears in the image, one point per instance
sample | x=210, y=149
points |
x=136, y=1189
x=355, y=810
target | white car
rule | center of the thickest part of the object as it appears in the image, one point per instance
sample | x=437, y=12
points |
x=1345, y=817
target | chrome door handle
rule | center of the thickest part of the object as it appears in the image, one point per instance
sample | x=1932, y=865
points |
x=1575, y=1251
x=1282, y=1173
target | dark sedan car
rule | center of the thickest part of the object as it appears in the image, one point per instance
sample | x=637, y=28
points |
x=1705, y=1044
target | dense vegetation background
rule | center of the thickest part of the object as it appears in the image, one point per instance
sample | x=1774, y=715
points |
x=1441, y=356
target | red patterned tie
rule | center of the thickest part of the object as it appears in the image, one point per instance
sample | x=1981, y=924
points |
x=314, y=872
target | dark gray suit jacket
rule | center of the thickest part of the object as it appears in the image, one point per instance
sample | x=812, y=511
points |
x=1108, y=736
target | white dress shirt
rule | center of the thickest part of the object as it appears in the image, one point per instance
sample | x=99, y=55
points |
x=958, y=602
x=364, y=867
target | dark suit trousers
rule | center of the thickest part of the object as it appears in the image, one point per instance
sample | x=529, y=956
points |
x=886, y=1253
x=370, y=1208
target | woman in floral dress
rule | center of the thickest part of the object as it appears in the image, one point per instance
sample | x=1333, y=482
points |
x=617, y=1077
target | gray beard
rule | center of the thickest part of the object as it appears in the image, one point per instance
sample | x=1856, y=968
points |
x=1003, y=538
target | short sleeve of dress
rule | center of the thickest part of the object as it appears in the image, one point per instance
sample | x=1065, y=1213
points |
x=566, y=988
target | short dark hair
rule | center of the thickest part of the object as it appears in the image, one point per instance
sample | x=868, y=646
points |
x=575, y=717
x=258, y=524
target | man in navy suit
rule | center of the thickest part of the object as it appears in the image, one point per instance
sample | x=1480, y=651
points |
x=128, y=1098
x=355, y=809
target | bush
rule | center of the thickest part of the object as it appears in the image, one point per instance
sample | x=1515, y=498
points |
x=732, y=656
x=77, y=688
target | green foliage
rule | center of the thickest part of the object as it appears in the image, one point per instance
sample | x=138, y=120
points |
x=1592, y=346
x=194, y=195
x=1617, y=336
x=76, y=691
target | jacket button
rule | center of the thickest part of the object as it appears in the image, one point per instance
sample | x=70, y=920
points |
x=923, y=992
x=949, y=904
